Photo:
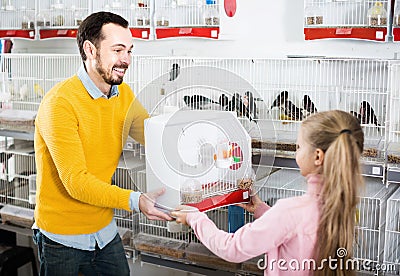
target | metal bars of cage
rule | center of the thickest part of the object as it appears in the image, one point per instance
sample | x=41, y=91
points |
x=392, y=233
x=371, y=221
x=393, y=143
x=286, y=91
x=16, y=15
x=18, y=164
x=56, y=14
x=374, y=13
x=189, y=13
x=25, y=78
x=138, y=12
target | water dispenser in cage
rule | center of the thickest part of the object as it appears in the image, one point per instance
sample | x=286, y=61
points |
x=377, y=15
x=201, y=157
x=396, y=15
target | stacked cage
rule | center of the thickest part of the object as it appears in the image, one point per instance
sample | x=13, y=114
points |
x=137, y=12
x=61, y=14
x=17, y=15
x=23, y=83
x=393, y=151
x=374, y=13
x=284, y=92
x=392, y=234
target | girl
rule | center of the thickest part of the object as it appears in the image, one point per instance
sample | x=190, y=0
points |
x=301, y=235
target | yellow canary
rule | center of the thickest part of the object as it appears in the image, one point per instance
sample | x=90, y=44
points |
x=357, y=216
x=285, y=117
x=38, y=90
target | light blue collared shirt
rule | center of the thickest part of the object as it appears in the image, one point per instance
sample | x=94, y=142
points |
x=107, y=234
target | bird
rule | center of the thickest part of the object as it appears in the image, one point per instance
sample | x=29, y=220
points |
x=223, y=100
x=251, y=107
x=293, y=111
x=198, y=101
x=174, y=72
x=367, y=114
x=280, y=99
x=308, y=104
x=358, y=116
x=288, y=107
x=38, y=90
x=236, y=104
x=23, y=92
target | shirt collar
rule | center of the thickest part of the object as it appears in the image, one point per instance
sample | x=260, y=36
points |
x=91, y=88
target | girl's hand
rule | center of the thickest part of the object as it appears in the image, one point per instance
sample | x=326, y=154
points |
x=181, y=213
x=250, y=207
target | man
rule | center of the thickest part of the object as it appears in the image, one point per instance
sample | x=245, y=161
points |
x=81, y=127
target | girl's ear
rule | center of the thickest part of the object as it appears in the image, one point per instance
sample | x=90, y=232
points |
x=319, y=157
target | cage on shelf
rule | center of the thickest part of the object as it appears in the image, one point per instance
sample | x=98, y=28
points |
x=346, y=19
x=60, y=18
x=17, y=19
x=138, y=13
x=392, y=233
x=187, y=18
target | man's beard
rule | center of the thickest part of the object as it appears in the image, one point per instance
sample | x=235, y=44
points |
x=108, y=77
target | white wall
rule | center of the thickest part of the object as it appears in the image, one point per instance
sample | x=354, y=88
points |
x=260, y=28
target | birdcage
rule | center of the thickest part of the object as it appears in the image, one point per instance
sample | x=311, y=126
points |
x=393, y=151
x=347, y=19
x=138, y=12
x=182, y=13
x=17, y=15
x=371, y=217
x=392, y=233
x=283, y=92
x=346, y=13
x=61, y=14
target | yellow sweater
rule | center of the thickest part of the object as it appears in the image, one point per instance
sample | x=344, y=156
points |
x=78, y=143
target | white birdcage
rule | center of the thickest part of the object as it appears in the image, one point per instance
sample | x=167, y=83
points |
x=392, y=233
x=17, y=15
x=285, y=92
x=393, y=151
x=61, y=14
x=372, y=13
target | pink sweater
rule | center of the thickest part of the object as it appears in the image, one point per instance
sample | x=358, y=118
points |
x=285, y=232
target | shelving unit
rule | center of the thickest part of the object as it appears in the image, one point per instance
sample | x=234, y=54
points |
x=163, y=83
x=148, y=19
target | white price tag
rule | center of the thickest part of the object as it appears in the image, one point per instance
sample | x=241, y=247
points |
x=376, y=170
x=379, y=35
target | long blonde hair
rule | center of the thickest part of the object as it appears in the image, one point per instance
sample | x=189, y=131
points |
x=339, y=135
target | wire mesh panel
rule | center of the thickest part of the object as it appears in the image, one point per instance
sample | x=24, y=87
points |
x=392, y=232
x=372, y=13
x=25, y=78
x=136, y=12
x=283, y=93
x=61, y=13
x=17, y=14
x=371, y=219
x=393, y=154
x=181, y=13
x=125, y=177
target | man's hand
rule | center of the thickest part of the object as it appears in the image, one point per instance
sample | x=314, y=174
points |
x=146, y=205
